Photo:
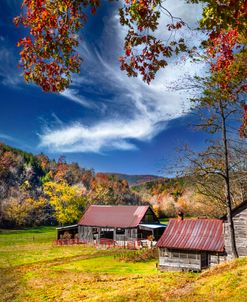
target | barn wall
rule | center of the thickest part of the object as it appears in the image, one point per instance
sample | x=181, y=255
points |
x=89, y=233
x=178, y=260
x=216, y=258
x=149, y=217
x=85, y=233
x=240, y=225
x=129, y=235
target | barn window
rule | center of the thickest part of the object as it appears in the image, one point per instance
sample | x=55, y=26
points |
x=120, y=231
x=192, y=256
x=95, y=230
x=164, y=253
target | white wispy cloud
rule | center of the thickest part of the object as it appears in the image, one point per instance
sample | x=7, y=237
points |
x=6, y=137
x=9, y=73
x=134, y=112
x=73, y=95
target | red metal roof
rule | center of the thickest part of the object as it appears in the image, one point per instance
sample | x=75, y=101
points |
x=113, y=216
x=194, y=234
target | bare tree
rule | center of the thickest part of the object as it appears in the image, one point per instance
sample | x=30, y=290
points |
x=221, y=168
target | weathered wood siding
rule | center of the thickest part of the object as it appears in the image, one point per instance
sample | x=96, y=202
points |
x=177, y=260
x=89, y=233
x=216, y=258
x=129, y=235
x=181, y=260
x=150, y=217
x=86, y=233
x=240, y=226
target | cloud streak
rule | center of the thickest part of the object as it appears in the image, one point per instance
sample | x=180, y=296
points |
x=8, y=69
x=73, y=95
x=6, y=137
x=133, y=111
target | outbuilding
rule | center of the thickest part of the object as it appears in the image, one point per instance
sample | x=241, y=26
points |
x=119, y=223
x=191, y=245
x=67, y=232
x=239, y=217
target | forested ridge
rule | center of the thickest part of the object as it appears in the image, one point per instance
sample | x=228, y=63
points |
x=36, y=190
x=135, y=180
x=170, y=195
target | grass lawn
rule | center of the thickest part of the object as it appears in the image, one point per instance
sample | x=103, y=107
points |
x=108, y=264
x=164, y=220
x=32, y=269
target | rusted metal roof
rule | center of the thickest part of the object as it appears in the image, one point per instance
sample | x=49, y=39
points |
x=113, y=216
x=194, y=234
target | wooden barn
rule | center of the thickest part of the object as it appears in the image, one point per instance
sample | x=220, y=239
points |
x=191, y=245
x=119, y=223
x=240, y=226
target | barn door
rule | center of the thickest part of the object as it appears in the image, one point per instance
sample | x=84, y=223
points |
x=204, y=260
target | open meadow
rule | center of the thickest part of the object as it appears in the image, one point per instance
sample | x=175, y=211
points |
x=33, y=269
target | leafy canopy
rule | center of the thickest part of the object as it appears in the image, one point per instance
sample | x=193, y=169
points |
x=49, y=53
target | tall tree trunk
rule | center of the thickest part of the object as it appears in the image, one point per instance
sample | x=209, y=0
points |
x=227, y=185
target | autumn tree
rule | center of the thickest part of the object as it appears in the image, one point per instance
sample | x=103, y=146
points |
x=219, y=113
x=227, y=57
x=205, y=170
x=68, y=201
x=226, y=47
x=106, y=189
x=49, y=53
x=225, y=88
x=49, y=188
x=20, y=209
x=16, y=211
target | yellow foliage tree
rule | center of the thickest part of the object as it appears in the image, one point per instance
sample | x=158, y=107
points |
x=17, y=211
x=67, y=201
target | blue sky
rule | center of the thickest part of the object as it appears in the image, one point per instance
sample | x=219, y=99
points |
x=105, y=120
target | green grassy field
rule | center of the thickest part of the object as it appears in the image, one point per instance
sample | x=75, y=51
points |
x=33, y=269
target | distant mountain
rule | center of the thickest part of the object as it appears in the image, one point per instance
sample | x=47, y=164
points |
x=135, y=180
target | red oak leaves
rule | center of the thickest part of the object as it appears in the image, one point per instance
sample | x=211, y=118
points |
x=49, y=54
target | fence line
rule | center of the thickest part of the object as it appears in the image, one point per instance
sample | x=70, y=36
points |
x=107, y=243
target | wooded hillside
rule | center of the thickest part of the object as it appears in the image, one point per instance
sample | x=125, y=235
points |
x=36, y=190
x=194, y=195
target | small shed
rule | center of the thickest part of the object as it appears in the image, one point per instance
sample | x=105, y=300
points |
x=191, y=245
x=70, y=231
x=239, y=216
x=119, y=223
